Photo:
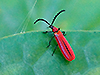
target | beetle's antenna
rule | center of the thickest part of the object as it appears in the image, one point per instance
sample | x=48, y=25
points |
x=42, y=20
x=56, y=16
x=47, y=21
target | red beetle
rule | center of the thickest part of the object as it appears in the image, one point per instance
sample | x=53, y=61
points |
x=61, y=40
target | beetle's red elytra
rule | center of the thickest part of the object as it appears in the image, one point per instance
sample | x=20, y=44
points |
x=61, y=40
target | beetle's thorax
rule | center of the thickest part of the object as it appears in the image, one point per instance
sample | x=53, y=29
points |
x=54, y=29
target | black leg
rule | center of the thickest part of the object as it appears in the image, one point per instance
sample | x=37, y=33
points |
x=54, y=50
x=58, y=29
x=47, y=32
x=50, y=42
x=64, y=33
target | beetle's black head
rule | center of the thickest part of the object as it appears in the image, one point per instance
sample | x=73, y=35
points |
x=51, y=26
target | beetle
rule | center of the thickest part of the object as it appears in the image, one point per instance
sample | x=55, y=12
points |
x=61, y=40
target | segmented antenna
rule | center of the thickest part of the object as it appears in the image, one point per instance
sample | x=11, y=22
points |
x=42, y=20
x=47, y=21
x=56, y=16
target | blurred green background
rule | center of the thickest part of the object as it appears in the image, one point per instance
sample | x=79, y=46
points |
x=26, y=53
x=79, y=15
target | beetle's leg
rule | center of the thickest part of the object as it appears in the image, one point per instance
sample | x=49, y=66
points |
x=64, y=33
x=54, y=50
x=50, y=41
x=58, y=29
x=47, y=32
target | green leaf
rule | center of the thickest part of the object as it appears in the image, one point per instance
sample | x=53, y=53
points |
x=26, y=54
